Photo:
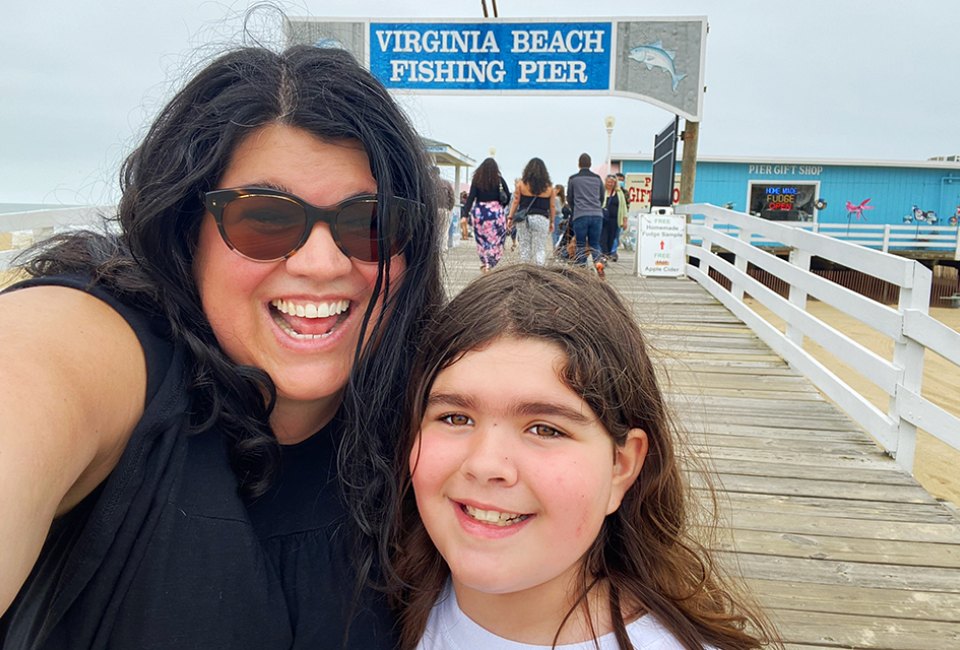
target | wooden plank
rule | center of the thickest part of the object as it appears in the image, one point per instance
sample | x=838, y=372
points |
x=863, y=601
x=775, y=406
x=844, y=508
x=723, y=439
x=943, y=533
x=842, y=549
x=822, y=488
x=760, y=366
x=723, y=417
x=902, y=485
x=681, y=372
x=776, y=434
x=831, y=572
x=845, y=631
x=722, y=390
x=784, y=457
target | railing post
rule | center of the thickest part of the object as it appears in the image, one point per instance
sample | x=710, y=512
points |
x=956, y=251
x=908, y=356
x=886, y=238
x=741, y=263
x=798, y=297
x=706, y=242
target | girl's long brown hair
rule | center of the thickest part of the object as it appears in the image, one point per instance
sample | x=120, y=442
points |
x=646, y=551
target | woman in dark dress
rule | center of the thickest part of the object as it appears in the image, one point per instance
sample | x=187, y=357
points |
x=198, y=415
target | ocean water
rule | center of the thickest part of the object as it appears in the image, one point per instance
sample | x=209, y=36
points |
x=6, y=208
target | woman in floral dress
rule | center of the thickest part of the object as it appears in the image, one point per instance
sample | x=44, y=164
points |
x=488, y=196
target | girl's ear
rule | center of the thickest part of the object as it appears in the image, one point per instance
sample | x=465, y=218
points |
x=627, y=462
x=414, y=455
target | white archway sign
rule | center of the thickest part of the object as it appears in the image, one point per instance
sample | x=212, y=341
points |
x=657, y=60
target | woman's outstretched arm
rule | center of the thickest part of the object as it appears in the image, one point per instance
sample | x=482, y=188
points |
x=72, y=388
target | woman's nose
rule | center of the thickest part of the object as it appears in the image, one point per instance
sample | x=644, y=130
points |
x=319, y=255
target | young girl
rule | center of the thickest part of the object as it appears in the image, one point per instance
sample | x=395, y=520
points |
x=548, y=506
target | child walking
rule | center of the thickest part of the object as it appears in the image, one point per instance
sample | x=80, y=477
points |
x=545, y=506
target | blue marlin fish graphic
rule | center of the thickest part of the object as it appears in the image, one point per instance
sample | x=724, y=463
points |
x=329, y=42
x=654, y=56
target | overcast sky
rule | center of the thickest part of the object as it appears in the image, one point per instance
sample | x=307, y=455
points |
x=820, y=79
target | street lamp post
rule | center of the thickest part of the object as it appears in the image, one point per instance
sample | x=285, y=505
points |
x=608, y=122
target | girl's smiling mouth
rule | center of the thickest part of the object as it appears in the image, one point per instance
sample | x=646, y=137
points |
x=493, y=517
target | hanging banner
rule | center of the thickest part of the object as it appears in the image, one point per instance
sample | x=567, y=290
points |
x=658, y=60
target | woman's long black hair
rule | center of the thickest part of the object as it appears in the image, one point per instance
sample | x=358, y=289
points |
x=487, y=176
x=150, y=263
x=536, y=176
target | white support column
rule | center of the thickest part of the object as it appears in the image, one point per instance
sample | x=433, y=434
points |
x=908, y=356
x=886, y=238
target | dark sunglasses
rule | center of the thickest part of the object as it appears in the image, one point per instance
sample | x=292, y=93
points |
x=267, y=225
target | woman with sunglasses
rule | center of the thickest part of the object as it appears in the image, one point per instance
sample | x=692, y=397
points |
x=198, y=415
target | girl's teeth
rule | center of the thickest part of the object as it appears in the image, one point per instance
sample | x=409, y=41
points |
x=494, y=517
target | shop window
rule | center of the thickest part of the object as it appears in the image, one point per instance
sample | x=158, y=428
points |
x=783, y=201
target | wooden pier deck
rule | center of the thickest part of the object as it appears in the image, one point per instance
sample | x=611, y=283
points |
x=843, y=548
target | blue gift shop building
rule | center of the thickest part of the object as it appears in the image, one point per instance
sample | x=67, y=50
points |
x=821, y=191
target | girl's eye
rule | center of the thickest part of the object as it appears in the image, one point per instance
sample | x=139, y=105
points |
x=546, y=431
x=456, y=419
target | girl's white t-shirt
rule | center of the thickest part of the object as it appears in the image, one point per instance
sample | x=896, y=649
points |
x=448, y=628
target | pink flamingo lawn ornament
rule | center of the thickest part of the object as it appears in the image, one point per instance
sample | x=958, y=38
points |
x=857, y=210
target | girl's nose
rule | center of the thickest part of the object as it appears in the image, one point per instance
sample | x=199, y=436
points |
x=490, y=456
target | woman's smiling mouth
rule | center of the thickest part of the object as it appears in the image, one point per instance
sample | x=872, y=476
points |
x=306, y=320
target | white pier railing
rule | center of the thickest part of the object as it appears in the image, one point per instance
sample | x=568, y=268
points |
x=19, y=230
x=713, y=230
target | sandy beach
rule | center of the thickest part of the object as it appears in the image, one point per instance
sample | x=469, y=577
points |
x=937, y=465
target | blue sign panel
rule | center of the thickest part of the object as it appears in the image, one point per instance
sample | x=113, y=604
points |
x=658, y=60
x=492, y=56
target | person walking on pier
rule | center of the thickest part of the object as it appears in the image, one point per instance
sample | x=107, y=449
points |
x=614, y=214
x=585, y=196
x=560, y=211
x=486, y=203
x=534, y=200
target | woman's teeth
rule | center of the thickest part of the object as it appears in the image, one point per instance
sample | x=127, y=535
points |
x=311, y=309
x=494, y=517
